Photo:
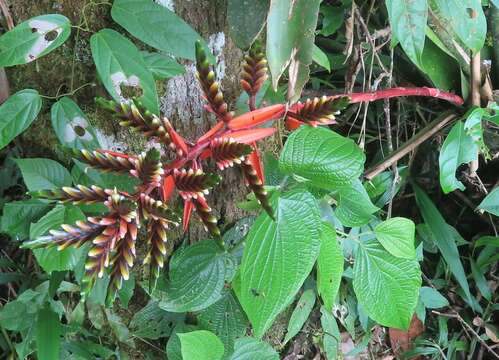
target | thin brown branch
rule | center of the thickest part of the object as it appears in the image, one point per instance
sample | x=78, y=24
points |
x=426, y=133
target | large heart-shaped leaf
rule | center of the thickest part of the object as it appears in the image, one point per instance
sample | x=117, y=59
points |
x=198, y=274
x=201, y=345
x=43, y=174
x=465, y=18
x=226, y=319
x=18, y=112
x=278, y=257
x=120, y=64
x=71, y=126
x=247, y=348
x=387, y=287
x=397, y=237
x=458, y=148
x=156, y=26
x=329, y=266
x=408, y=23
x=33, y=39
x=322, y=156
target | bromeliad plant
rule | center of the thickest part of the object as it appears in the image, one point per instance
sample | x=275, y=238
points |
x=231, y=142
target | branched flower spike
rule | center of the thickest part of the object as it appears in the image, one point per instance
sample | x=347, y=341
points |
x=148, y=167
x=254, y=71
x=255, y=184
x=226, y=152
x=105, y=161
x=210, y=86
x=78, y=195
x=232, y=141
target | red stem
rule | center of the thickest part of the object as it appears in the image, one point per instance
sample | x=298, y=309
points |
x=402, y=91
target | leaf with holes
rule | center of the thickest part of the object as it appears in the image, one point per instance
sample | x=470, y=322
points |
x=458, y=148
x=226, y=319
x=464, y=18
x=201, y=345
x=397, y=237
x=71, y=125
x=323, y=157
x=278, y=257
x=198, y=274
x=162, y=66
x=156, y=26
x=43, y=174
x=408, y=23
x=491, y=202
x=387, y=287
x=152, y=322
x=122, y=69
x=248, y=348
x=18, y=112
x=33, y=39
x=329, y=266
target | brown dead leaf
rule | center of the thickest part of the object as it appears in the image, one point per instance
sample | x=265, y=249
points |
x=401, y=340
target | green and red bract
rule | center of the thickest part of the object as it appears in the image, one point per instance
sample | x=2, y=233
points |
x=232, y=141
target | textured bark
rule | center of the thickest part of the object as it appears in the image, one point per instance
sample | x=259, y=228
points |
x=183, y=103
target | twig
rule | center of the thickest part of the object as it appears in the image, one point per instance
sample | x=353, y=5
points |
x=426, y=133
x=6, y=14
x=465, y=325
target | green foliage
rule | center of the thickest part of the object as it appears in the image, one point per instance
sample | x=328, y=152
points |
x=246, y=20
x=201, y=345
x=33, y=39
x=43, y=174
x=48, y=330
x=278, y=257
x=300, y=314
x=247, y=348
x=397, y=237
x=18, y=112
x=491, y=202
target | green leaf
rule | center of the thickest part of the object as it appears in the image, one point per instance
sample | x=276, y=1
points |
x=408, y=22
x=333, y=18
x=354, y=205
x=43, y=174
x=248, y=348
x=33, y=39
x=71, y=125
x=162, y=66
x=329, y=266
x=18, y=112
x=120, y=64
x=323, y=157
x=246, y=20
x=320, y=58
x=487, y=241
x=473, y=127
x=491, y=202
x=480, y=281
x=431, y=298
x=48, y=331
x=465, y=18
x=444, y=238
x=156, y=26
x=173, y=351
x=397, y=237
x=18, y=215
x=152, y=322
x=197, y=277
x=387, y=287
x=201, y=345
x=458, y=148
x=290, y=38
x=300, y=314
x=226, y=319
x=126, y=291
x=50, y=259
x=278, y=257
x=332, y=337
x=380, y=187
